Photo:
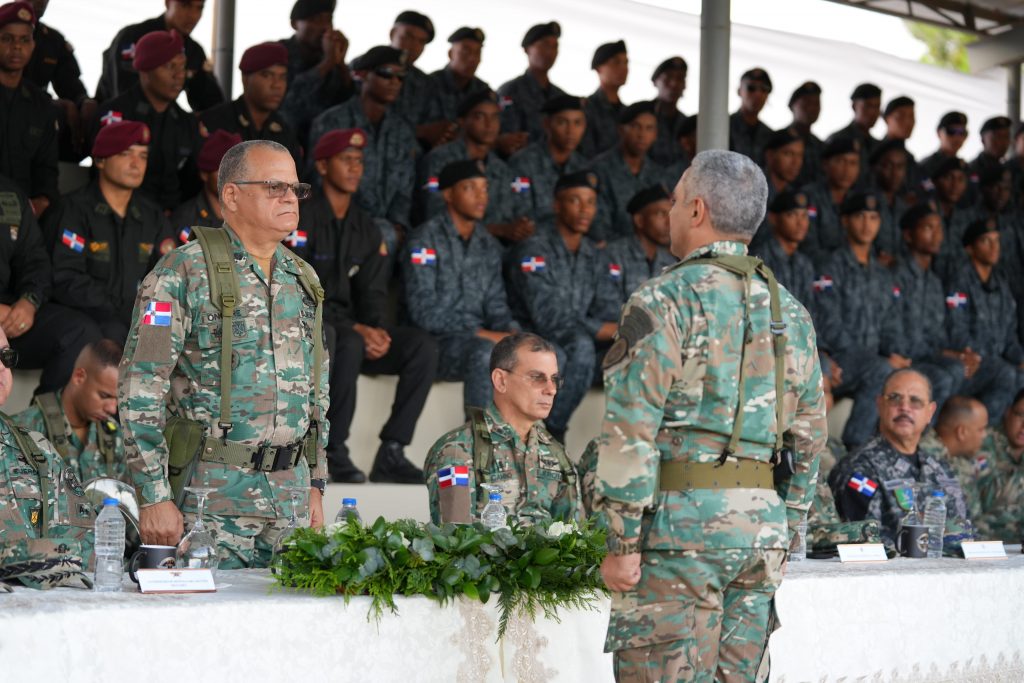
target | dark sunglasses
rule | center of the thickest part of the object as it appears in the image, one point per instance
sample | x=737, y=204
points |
x=389, y=73
x=9, y=357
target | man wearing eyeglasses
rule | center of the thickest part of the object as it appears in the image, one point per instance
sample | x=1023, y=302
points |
x=952, y=134
x=747, y=132
x=884, y=479
x=507, y=446
x=261, y=442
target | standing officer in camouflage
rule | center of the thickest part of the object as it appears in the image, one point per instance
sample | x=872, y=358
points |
x=79, y=419
x=251, y=429
x=636, y=258
x=604, y=106
x=697, y=411
x=1001, y=486
x=522, y=99
x=506, y=445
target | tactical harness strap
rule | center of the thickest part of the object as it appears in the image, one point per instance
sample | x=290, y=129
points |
x=483, y=448
x=37, y=459
x=53, y=417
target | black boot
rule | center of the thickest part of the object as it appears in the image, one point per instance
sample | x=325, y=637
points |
x=341, y=469
x=391, y=466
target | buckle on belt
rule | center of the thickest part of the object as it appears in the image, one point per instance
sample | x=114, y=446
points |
x=257, y=457
x=777, y=327
x=283, y=458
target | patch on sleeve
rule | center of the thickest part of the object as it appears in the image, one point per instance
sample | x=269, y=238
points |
x=10, y=208
x=154, y=332
x=635, y=325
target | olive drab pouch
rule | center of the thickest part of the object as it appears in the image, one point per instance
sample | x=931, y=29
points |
x=184, y=445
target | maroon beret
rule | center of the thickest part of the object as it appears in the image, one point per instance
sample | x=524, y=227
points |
x=156, y=49
x=14, y=12
x=214, y=149
x=116, y=137
x=262, y=56
x=337, y=141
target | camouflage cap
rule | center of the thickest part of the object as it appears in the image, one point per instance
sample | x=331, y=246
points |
x=44, y=563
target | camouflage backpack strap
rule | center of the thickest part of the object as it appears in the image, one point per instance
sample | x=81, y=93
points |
x=224, y=293
x=53, y=418
x=481, y=439
x=35, y=457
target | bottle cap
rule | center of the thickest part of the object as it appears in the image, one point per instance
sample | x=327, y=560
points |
x=111, y=501
x=938, y=494
x=348, y=501
x=494, y=496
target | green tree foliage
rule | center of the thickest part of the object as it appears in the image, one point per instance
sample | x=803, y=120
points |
x=946, y=47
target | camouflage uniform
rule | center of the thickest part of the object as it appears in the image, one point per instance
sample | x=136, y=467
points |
x=628, y=254
x=966, y=469
x=534, y=164
x=618, y=185
x=825, y=234
x=235, y=117
x=825, y=529
x=501, y=198
x=452, y=289
x=1000, y=490
x=535, y=487
x=414, y=96
x=666, y=150
x=564, y=297
x=794, y=271
x=309, y=93
x=711, y=558
x=586, y=470
x=810, y=171
x=952, y=256
x=748, y=140
x=84, y=459
x=866, y=146
x=602, y=124
x=175, y=370
x=521, y=101
x=445, y=96
x=890, y=235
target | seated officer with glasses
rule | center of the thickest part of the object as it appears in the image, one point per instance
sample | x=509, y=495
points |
x=891, y=475
x=507, y=446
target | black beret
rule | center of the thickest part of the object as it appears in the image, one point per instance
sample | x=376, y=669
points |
x=781, y=138
x=562, y=103
x=805, y=88
x=788, y=201
x=915, y=214
x=605, y=52
x=991, y=175
x=381, y=55
x=669, y=64
x=464, y=169
x=996, y=123
x=840, y=144
x=977, y=229
x=865, y=91
x=541, y=31
x=641, y=199
x=304, y=9
x=883, y=148
x=577, y=179
x=468, y=104
x=949, y=165
x=686, y=126
x=419, y=20
x=757, y=74
x=951, y=119
x=897, y=103
x=467, y=33
x=855, y=202
x=628, y=114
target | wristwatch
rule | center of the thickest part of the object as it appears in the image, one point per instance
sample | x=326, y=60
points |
x=318, y=484
x=618, y=546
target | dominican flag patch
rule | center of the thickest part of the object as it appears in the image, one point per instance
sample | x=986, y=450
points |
x=862, y=485
x=296, y=239
x=504, y=102
x=423, y=257
x=111, y=117
x=457, y=475
x=896, y=292
x=185, y=233
x=73, y=241
x=812, y=212
x=128, y=53
x=533, y=264
x=956, y=300
x=823, y=284
x=520, y=184
x=158, y=314
x=615, y=271
x=432, y=184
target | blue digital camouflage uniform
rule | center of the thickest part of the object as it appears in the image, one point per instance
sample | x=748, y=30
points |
x=413, y=97
x=535, y=486
x=453, y=288
x=890, y=235
x=878, y=482
x=952, y=257
x=564, y=297
x=671, y=395
x=628, y=255
x=825, y=234
x=618, y=185
x=309, y=93
x=666, y=150
x=521, y=100
x=602, y=124
x=866, y=146
x=171, y=366
x=501, y=198
x=810, y=171
x=859, y=323
x=444, y=96
x=748, y=140
x=534, y=164
x=794, y=271
x=1000, y=490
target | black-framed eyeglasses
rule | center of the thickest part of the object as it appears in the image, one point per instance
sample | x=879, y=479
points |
x=389, y=73
x=279, y=188
x=9, y=357
x=896, y=399
x=539, y=379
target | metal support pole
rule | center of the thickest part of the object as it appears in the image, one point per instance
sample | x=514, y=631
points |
x=1013, y=92
x=224, y=44
x=713, y=121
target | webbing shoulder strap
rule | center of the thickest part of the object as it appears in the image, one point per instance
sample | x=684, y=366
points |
x=37, y=459
x=481, y=439
x=310, y=283
x=53, y=418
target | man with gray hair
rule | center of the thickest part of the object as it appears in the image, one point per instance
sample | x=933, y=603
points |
x=714, y=424
x=249, y=429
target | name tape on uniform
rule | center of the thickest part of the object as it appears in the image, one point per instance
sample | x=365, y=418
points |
x=862, y=552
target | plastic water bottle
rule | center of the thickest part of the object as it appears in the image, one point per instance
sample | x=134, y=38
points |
x=110, y=532
x=348, y=511
x=800, y=553
x=493, y=515
x=935, y=520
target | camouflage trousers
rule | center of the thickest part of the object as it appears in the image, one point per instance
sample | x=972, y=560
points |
x=696, y=616
x=244, y=542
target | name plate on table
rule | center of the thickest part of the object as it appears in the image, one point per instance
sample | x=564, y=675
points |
x=983, y=550
x=175, y=581
x=861, y=552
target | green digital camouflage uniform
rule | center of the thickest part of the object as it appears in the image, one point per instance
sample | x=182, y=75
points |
x=966, y=469
x=41, y=547
x=536, y=484
x=711, y=557
x=271, y=391
x=85, y=460
x=1000, y=490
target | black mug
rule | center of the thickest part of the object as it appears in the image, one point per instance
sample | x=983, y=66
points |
x=151, y=557
x=912, y=541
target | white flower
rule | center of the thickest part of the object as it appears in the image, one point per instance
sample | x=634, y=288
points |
x=558, y=529
x=405, y=541
x=335, y=527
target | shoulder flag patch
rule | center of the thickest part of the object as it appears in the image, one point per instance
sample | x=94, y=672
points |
x=862, y=485
x=457, y=475
x=185, y=233
x=520, y=184
x=424, y=257
x=615, y=271
x=73, y=241
x=504, y=102
x=823, y=284
x=158, y=313
x=432, y=184
x=111, y=117
x=812, y=211
x=956, y=300
x=296, y=239
x=896, y=293
x=533, y=264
